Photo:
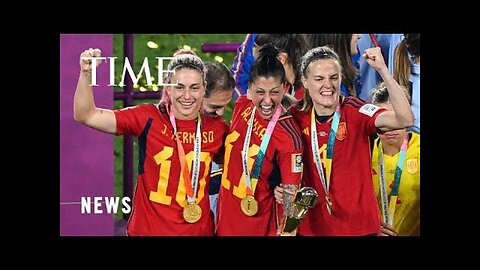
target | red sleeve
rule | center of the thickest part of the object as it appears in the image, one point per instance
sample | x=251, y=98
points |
x=290, y=152
x=367, y=113
x=370, y=122
x=131, y=120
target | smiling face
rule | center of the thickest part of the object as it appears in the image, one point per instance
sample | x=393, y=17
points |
x=187, y=95
x=322, y=82
x=266, y=94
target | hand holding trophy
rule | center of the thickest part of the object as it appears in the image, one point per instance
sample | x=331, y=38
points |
x=305, y=198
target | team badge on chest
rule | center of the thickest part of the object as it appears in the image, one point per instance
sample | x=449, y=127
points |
x=342, y=131
x=412, y=165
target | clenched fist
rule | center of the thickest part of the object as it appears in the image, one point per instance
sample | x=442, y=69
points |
x=86, y=64
x=374, y=58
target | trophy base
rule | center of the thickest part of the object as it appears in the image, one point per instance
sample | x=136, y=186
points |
x=291, y=224
x=288, y=234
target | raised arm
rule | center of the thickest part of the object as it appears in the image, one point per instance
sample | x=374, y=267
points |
x=402, y=115
x=84, y=109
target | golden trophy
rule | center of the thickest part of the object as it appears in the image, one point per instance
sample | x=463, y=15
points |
x=305, y=198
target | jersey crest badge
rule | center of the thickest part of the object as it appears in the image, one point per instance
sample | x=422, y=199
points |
x=412, y=165
x=341, y=131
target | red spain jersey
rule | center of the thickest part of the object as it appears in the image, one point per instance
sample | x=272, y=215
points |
x=355, y=210
x=282, y=164
x=160, y=194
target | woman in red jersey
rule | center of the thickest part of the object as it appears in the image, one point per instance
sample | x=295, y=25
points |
x=263, y=149
x=176, y=148
x=336, y=131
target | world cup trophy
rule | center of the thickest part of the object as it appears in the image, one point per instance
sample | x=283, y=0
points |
x=305, y=198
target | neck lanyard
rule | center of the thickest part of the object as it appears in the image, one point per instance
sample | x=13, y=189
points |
x=388, y=213
x=325, y=179
x=261, y=153
x=190, y=183
x=374, y=40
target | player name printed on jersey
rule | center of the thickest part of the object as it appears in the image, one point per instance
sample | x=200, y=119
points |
x=108, y=205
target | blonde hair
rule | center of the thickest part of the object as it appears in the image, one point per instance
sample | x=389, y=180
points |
x=183, y=59
x=401, y=64
x=379, y=94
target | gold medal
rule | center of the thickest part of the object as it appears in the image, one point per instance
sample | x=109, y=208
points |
x=328, y=204
x=192, y=212
x=249, y=205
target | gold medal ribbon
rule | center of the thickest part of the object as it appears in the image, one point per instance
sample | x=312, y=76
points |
x=388, y=206
x=191, y=184
x=325, y=179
